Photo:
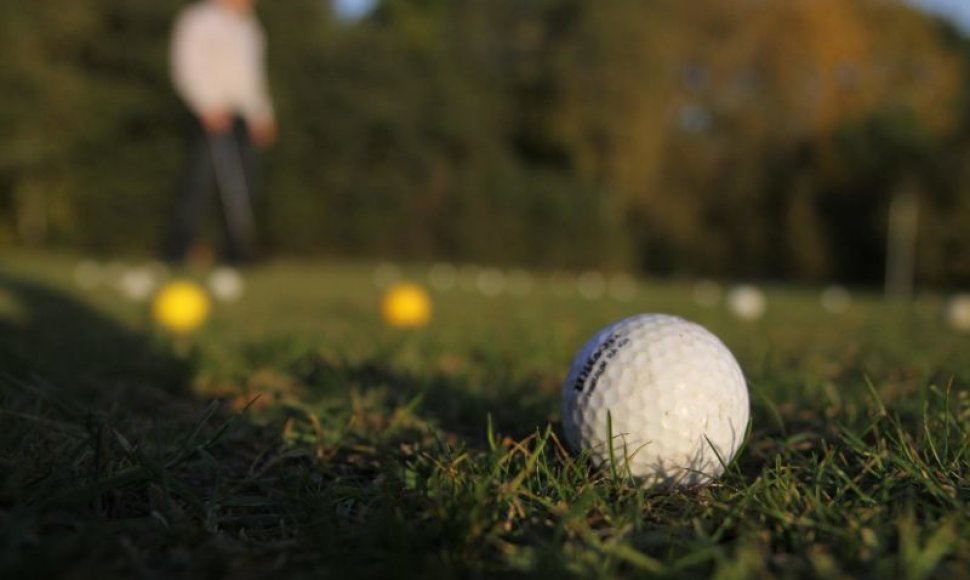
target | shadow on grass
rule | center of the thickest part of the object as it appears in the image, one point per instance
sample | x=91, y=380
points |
x=73, y=384
x=88, y=355
x=459, y=403
x=110, y=466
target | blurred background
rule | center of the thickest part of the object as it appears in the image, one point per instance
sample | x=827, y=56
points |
x=753, y=138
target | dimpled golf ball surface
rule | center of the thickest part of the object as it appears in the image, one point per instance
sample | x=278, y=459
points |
x=667, y=390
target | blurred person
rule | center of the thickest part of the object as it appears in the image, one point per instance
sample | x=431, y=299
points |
x=217, y=58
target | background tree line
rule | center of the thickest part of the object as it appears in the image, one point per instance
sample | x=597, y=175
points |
x=759, y=138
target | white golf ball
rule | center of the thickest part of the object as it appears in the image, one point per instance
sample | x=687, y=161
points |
x=958, y=312
x=137, y=284
x=747, y=302
x=836, y=299
x=490, y=282
x=591, y=285
x=666, y=391
x=226, y=284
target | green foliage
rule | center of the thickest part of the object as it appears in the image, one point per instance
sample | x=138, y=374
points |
x=730, y=140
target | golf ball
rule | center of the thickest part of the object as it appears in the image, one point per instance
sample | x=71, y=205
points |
x=406, y=305
x=958, y=312
x=664, y=393
x=226, y=284
x=836, y=299
x=181, y=306
x=137, y=283
x=747, y=302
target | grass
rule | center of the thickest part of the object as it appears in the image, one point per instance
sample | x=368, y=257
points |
x=295, y=435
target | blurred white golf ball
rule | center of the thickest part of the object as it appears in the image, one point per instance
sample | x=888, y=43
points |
x=836, y=299
x=958, y=312
x=137, y=283
x=226, y=284
x=591, y=285
x=490, y=282
x=747, y=302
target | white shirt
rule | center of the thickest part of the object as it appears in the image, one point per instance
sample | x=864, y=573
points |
x=218, y=61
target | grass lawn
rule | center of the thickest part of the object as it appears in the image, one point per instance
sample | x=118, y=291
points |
x=296, y=436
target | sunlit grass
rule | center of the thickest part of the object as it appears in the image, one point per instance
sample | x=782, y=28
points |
x=296, y=434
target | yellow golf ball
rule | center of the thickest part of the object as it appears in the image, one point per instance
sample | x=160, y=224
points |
x=406, y=305
x=181, y=306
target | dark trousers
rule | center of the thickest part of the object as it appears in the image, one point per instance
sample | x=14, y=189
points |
x=226, y=164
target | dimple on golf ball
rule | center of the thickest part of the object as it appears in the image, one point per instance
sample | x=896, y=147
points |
x=664, y=393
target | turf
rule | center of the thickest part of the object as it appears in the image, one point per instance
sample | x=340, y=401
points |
x=296, y=436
